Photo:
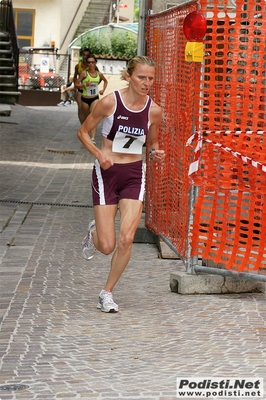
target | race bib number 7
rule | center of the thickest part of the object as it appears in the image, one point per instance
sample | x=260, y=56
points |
x=128, y=144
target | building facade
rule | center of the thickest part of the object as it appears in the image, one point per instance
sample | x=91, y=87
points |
x=54, y=22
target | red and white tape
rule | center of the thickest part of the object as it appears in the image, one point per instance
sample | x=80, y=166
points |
x=194, y=166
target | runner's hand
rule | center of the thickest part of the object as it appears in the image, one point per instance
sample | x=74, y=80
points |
x=105, y=162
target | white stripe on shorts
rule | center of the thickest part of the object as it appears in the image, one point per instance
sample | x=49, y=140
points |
x=142, y=187
x=100, y=183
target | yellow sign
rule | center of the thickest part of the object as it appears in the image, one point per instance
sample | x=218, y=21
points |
x=194, y=51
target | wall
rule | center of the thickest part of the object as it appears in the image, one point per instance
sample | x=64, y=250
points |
x=126, y=12
x=160, y=5
x=60, y=14
x=69, y=9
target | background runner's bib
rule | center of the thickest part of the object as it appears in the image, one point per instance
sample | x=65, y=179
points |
x=128, y=144
x=92, y=90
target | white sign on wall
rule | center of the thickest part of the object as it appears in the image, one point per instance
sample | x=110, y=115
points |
x=44, y=64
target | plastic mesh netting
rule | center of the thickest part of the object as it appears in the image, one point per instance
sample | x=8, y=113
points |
x=223, y=100
x=230, y=210
x=167, y=202
x=232, y=87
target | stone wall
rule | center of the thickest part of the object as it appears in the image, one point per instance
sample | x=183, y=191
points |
x=160, y=5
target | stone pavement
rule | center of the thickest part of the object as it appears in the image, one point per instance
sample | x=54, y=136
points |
x=53, y=340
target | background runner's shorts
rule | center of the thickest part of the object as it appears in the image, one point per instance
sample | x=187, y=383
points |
x=121, y=181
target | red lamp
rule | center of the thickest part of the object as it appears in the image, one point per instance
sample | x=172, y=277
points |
x=194, y=27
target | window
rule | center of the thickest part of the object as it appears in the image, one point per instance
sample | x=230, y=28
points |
x=24, y=21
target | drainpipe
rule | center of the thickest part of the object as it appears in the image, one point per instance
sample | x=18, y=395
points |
x=141, y=49
x=117, y=11
x=149, y=5
x=145, y=7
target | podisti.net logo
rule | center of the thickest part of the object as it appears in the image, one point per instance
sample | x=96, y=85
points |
x=227, y=388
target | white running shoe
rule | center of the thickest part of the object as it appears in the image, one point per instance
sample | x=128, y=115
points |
x=106, y=302
x=88, y=248
x=61, y=104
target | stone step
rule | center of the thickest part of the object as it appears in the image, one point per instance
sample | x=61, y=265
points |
x=143, y=234
x=4, y=44
x=96, y=11
x=9, y=97
x=4, y=36
x=8, y=87
x=5, y=110
x=5, y=53
x=165, y=251
x=8, y=79
x=8, y=62
x=5, y=70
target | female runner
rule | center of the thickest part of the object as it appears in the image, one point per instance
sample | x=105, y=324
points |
x=130, y=118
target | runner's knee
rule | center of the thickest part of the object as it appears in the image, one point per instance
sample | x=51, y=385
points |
x=106, y=247
x=125, y=240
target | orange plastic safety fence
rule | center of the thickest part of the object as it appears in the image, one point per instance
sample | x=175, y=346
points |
x=230, y=210
x=228, y=224
x=232, y=88
x=167, y=205
x=227, y=92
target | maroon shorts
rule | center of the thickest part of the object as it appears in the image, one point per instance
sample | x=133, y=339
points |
x=121, y=181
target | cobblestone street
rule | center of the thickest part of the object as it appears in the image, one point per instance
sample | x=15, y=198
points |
x=53, y=339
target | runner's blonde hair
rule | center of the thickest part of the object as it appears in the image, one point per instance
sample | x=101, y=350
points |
x=134, y=62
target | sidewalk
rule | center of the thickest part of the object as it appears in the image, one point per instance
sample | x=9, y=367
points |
x=53, y=339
